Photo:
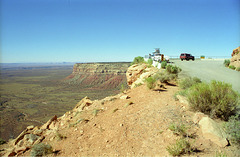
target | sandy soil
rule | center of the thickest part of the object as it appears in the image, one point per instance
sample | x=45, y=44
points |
x=139, y=129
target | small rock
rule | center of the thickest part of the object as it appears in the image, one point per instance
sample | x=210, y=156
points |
x=121, y=124
x=81, y=132
x=21, y=149
x=124, y=97
x=30, y=127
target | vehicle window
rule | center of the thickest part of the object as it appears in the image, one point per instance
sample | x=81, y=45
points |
x=187, y=54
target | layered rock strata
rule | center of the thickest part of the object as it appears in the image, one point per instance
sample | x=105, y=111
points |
x=98, y=75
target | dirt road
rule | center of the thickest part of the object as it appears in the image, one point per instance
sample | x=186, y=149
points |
x=208, y=70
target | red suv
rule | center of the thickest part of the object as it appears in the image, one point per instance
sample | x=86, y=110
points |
x=186, y=56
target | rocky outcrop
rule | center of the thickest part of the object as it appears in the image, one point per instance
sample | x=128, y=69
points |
x=98, y=75
x=235, y=60
x=137, y=73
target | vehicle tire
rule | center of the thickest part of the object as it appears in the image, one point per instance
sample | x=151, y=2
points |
x=187, y=59
x=193, y=59
x=181, y=59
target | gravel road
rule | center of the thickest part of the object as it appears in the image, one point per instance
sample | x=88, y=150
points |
x=208, y=70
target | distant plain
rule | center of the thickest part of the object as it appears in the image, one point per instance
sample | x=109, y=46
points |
x=32, y=94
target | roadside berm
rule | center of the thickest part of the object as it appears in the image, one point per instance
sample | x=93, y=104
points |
x=135, y=122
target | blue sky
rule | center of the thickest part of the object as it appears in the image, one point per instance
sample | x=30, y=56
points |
x=116, y=30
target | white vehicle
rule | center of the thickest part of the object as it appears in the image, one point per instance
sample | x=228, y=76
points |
x=157, y=57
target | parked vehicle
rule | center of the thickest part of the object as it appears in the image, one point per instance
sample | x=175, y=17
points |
x=186, y=56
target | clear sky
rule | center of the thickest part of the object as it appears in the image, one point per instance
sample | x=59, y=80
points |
x=116, y=30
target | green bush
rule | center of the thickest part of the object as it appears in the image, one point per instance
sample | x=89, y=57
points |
x=188, y=82
x=41, y=149
x=233, y=129
x=138, y=60
x=181, y=146
x=164, y=77
x=232, y=67
x=226, y=62
x=150, y=62
x=216, y=99
x=123, y=88
x=151, y=82
x=173, y=69
x=164, y=64
x=238, y=68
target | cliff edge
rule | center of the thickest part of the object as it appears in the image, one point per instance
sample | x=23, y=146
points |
x=98, y=75
x=133, y=123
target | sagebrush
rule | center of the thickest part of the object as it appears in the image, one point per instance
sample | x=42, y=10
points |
x=164, y=64
x=41, y=149
x=226, y=62
x=151, y=82
x=188, y=82
x=178, y=129
x=173, y=69
x=182, y=146
x=138, y=60
x=216, y=99
x=233, y=129
x=232, y=67
x=165, y=77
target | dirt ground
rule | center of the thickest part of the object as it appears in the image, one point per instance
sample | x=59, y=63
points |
x=138, y=129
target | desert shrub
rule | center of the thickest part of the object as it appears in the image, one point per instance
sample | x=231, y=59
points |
x=138, y=60
x=178, y=129
x=173, y=69
x=226, y=62
x=2, y=141
x=41, y=149
x=182, y=146
x=232, y=67
x=123, y=88
x=188, y=82
x=151, y=82
x=150, y=62
x=164, y=64
x=164, y=77
x=216, y=99
x=238, y=68
x=232, y=128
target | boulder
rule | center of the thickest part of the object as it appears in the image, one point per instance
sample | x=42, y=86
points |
x=46, y=125
x=30, y=127
x=235, y=60
x=30, y=139
x=134, y=72
x=20, y=137
x=142, y=77
x=137, y=73
x=82, y=104
x=198, y=116
x=213, y=131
